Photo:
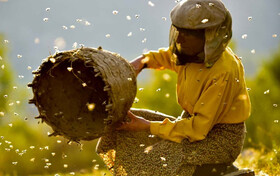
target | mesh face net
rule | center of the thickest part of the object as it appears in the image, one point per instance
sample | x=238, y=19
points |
x=180, y=57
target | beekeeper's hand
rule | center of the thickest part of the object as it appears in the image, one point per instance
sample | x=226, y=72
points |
x=139, y=64
x=136, y=123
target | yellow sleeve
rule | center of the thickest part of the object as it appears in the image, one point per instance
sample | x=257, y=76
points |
x=206, y=113
x=160, y=59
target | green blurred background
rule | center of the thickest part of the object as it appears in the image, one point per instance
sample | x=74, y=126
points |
x=31, y=30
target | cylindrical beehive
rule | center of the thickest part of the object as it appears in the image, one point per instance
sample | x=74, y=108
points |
x=83, y=93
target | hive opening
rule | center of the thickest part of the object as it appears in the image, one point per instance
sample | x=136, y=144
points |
x=84, y=93
x=92, y=99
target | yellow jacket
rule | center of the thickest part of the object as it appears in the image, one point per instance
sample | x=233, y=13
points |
x=210, y=95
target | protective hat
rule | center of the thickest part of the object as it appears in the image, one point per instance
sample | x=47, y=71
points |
x=210, y=15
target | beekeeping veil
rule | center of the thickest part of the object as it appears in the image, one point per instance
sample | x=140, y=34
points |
x=210, y=15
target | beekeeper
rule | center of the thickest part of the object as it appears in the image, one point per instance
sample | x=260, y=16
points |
x=211, y=88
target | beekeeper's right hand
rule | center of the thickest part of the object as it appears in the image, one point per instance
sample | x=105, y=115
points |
x=138, y=64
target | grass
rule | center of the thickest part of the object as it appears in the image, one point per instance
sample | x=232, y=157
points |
x=263, y=162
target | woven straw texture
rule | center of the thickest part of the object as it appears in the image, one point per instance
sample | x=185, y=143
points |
x=83, y=93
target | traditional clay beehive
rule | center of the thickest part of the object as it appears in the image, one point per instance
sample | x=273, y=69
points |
x=83, y=93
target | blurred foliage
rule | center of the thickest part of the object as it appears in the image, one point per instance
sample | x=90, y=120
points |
x=6, y=75
x=26, y=149
x=263, y=162
x=263, y=126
